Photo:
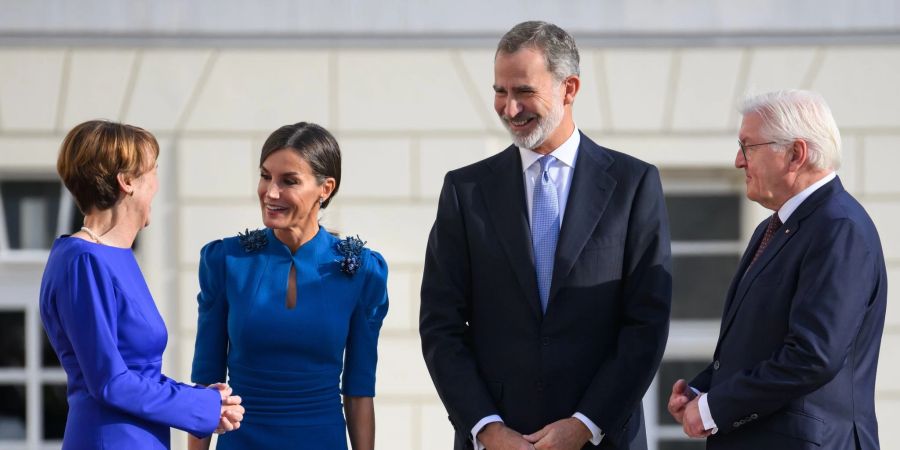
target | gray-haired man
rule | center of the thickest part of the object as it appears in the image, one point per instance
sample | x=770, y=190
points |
x=546, y=292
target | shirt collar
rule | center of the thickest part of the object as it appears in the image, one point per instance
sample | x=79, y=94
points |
x=565, y=153
x=794, y=202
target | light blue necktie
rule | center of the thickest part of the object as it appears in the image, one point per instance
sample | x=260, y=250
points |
x=544, y=229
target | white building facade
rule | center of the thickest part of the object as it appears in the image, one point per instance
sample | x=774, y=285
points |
x=406, y=89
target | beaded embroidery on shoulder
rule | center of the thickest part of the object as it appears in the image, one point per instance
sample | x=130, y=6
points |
x=350, y=249
x=254, y=240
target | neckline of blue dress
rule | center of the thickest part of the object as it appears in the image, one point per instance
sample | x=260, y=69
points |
x=310, y=246
x=68, y=238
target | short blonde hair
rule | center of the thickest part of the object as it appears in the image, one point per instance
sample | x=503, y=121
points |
x=94, y=153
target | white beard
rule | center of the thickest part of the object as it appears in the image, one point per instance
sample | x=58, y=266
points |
x=545, y=126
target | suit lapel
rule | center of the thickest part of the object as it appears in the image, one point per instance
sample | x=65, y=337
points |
x=504, y=195
x=739, y=275
x=781, y=237
x=589, y=194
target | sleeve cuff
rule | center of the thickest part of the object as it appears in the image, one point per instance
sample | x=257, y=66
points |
x=596, y=434
x=706, y=415
x=478, y=427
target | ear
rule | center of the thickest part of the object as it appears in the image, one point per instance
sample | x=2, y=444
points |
x=799, y=155
x=572, y=84
x=126, y=183
x=327, y=187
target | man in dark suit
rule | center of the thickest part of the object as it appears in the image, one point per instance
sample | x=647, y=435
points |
x=546, y=292
x=794, y=367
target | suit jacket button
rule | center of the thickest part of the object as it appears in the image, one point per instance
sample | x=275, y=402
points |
x=716, y=365
x=545, y=341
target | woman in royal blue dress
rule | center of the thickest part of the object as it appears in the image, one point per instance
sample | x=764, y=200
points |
x=98, y=312
x=291, y=312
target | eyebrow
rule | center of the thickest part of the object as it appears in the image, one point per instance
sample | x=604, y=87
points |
x=518, y=88
x=286, y=173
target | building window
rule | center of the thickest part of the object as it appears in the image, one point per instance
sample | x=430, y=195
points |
x=54, y=410
x=705, y=215
x=12, y=339
x=33, y=213
x=12, y=412
x=706, y=250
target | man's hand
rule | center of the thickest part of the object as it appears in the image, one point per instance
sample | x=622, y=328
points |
x=693, y=423
x=681, y=395
x=497, y=436
x=566, y=434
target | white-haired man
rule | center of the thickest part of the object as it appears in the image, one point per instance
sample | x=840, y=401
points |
x=794, y=367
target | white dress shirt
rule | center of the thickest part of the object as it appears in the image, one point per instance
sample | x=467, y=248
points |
x=560, y=170
x=784, y=213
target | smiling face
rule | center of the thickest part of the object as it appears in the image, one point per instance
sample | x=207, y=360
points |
x=289, y=193
x=531, y=103
x=767, y=169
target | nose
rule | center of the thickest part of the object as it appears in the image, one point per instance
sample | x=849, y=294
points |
x=272, y=190
x=739, y=161
x=511, y=107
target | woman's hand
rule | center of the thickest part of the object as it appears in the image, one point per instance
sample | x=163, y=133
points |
x=232, y=412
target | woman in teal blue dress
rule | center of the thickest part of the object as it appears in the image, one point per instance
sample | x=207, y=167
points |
x=292, y=313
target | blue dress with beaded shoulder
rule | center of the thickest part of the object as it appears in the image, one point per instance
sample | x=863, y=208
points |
x=290, y=366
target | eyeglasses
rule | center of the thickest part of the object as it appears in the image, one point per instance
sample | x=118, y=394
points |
x=744, y=147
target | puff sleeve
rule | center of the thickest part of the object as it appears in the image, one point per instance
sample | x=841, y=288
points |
x=211, y=345
x=361, y=354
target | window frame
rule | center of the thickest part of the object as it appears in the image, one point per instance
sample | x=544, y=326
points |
x=65, y=211
x=17, y=295
x=695, y=339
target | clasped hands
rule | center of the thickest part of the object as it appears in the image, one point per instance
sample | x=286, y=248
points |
x=566, y=434
x=232, y=411
x=684, y=406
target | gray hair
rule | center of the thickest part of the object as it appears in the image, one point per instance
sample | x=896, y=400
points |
x=558, y=47
x=794, y=114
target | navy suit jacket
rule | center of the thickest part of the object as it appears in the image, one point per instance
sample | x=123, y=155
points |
x=794, y=367
x=487, y=345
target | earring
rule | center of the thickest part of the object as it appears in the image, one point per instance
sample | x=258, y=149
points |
x=321, y=201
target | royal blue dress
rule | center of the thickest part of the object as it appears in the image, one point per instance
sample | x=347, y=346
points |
x=109, y=337
x=289, y=366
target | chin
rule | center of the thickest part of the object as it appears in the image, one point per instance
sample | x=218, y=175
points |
x=275, y=224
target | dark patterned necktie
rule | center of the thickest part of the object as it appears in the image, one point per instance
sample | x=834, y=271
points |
x=774, y=224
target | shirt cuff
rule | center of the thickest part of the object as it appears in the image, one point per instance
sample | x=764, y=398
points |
x=596, y=434
x=706, y=416
x=481, y=424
